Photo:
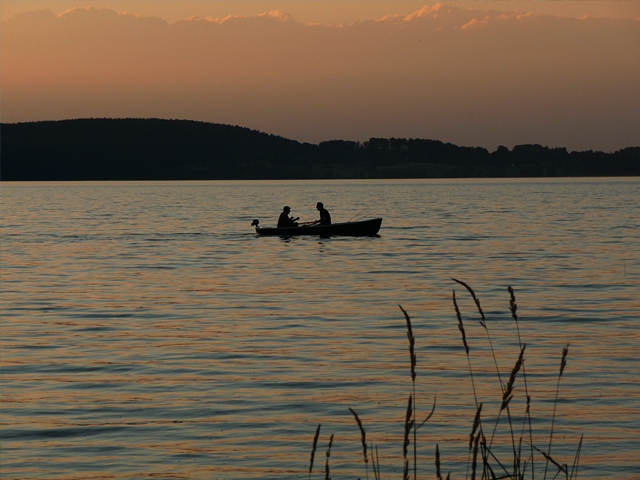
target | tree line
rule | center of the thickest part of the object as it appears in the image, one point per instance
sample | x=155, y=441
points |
x=154, y=149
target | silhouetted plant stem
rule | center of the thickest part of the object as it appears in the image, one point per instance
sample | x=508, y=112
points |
x=412, y=355
x=466, y=346
x=476, y=423
x=376, y=462
x=563, y=364
x=576, y=460
x=483, y=322
x=363, y=438
x=549, y=458
x=507, y=395
x=489, y=453
x=513, y=308
x=492, y=467
x=466, y=349
x=474, y=463
x=313, y=449
x=415, y=438
x=326, y=467
x=408, y=425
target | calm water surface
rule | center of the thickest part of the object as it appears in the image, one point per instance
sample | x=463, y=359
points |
x=147, y=332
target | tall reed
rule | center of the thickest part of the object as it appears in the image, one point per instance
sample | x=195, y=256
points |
x=313, y=449
x=563, y=364
x=408, y=425
x=483, y=457
x=327, y=476
x=513, y=308
x=414, y=362
x=363, y=439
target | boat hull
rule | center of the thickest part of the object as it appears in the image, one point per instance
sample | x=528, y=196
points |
x=364, y=228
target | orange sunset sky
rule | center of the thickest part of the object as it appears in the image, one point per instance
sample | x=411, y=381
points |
x=478, y=73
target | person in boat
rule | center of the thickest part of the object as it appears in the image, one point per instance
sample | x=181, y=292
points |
x=325, y=217
x=285, y=221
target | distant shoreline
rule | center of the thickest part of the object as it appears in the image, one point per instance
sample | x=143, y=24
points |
x=154, y=149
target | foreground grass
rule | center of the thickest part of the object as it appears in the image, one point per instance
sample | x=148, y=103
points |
x=525, y=459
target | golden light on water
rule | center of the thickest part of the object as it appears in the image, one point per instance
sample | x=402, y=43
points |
x=148, y=331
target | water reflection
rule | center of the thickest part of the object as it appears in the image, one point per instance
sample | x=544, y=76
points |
x=141, y=336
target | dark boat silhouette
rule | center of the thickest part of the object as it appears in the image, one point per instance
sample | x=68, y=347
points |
x=362, y=228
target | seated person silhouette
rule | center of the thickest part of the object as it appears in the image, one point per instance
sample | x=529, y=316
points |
x=285, y=221
x=325, y=217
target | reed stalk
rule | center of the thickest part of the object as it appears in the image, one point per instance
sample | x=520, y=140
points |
x=375, y=462
x=513, y=308
x=549, y=458
x=414, y=362
x=476, y=423
x=576, y=460
x=408, y=425
x=466, y=349
x=466, y=345
x=506, y=398
x=363, y=438
x=483, y=323
x=492, y=467
x=313, y=448
x=474, y=463
x=416, y=426
x=327, y=476
x=563, y=364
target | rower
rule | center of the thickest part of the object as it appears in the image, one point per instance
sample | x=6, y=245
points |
x=325, y=216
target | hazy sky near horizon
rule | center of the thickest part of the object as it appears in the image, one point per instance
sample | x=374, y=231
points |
x=471, y=73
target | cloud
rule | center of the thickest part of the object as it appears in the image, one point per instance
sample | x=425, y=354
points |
x=469, y=77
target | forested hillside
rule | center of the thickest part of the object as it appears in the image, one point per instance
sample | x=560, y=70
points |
x=153, y=149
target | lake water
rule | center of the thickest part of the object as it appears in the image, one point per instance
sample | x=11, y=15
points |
x=147, y=332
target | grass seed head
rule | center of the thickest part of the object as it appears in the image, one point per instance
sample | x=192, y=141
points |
x=363, y=435
x=460, y=325
x=563, y=363
x=313, y=449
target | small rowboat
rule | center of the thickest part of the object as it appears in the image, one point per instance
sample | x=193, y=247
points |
x=362, y=228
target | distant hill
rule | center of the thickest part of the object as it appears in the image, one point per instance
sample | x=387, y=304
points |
x=153, y=149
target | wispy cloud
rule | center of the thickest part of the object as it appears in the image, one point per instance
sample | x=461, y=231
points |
x=470, y=77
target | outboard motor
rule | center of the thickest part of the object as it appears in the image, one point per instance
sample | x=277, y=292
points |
x=255, y=223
